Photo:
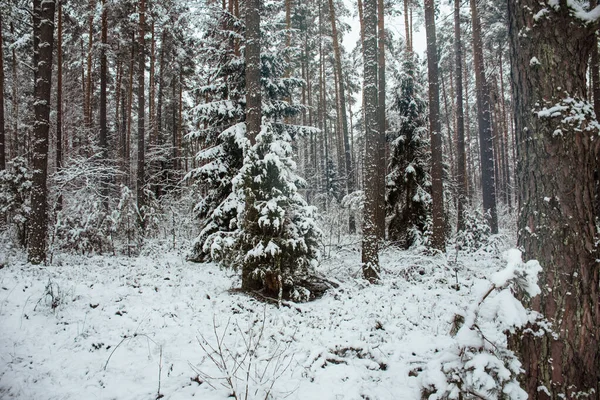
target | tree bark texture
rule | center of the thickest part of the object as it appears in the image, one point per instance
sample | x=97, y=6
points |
x=253, y=90
x=88, y=86
x=370, y=247
x=438, y=239
x=103, y=137
x=556, y=164
x=2, y=127
x=350, y=184
x=253, y=106
x=484, y=120
x=381, y=122
x=141, y=155
x=43, y=33
x=461, y=166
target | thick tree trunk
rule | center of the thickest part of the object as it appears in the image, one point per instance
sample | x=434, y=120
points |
x=461, y=168
x=2, y=131
x=370, y=245
x=484, y=119
x=556, y=164
x=381, y=122
x=141, y=142
x=438, y=239
x=43, y=34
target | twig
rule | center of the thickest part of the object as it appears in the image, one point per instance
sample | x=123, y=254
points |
x=112, y=352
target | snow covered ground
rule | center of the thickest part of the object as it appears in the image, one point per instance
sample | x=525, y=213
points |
x=151, y=327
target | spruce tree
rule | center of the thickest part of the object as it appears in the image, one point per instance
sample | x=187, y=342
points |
x=408, y=183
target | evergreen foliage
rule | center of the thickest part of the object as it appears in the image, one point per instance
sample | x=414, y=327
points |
x=408, y=198
x=275, y=237
x=221, y=118
x=15, y=197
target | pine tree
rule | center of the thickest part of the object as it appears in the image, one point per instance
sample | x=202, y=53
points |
x=556, y=131
x=43, y=39
x=438, y=239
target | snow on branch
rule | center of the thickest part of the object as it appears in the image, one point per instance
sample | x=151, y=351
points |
x=478, y=363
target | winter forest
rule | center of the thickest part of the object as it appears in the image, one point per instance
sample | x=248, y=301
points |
x=283, y=199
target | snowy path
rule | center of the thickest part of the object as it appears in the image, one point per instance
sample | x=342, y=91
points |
x=119, y=324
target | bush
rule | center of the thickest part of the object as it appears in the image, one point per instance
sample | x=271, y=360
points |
x=15, y=202
x=478, y=364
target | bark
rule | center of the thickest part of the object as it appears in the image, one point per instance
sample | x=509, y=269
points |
x=88, y=86
x=381, y=122
x=103, y=137
x=43, y=33
x=438, y=239
x=461, y=169
x=152, y=95
x=141, y=143
x=15, y=91
x=127, y=138
x=361, y=21
x=407, y=27
x=59, y=105
x=486, y=144
x=253, y=90
x=505, y=141
x=350, y=184
x=2, y=131
x=370, y=242
x=159, y=100
x=556, y=225
x=447, y=112
x=253, y=105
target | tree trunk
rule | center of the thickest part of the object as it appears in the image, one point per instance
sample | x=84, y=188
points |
x=381, y=122
x=343, y=113
x=59, y=105
x=438, y=239
x=407, y=27
x=253, y=102
x=43, y=34
x=15, y=103
x=103, y=137
x=127, y=138
x=88, y=86
x=556, y=164
x=505, y=140
x=486, y=144
x=141, y=155
x=370, y=242
x=361, y=21
x=461, y=165
x=253, y=90
x=2, y=131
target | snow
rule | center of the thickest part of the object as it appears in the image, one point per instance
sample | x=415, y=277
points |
x=114, y=327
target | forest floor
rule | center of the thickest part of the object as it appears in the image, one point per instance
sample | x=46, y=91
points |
x=156, y=326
